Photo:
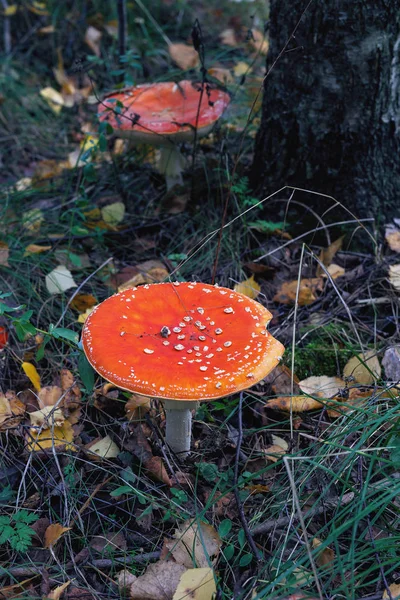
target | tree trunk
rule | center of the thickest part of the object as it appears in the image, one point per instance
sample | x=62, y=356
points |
x=331, y=108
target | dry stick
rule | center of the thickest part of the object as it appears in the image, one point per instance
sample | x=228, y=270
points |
x=243, y=520
x=228, y=193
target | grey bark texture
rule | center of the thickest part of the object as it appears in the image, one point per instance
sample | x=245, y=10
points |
x=331, y=107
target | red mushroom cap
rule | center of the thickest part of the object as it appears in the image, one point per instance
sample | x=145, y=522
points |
x=181, y=341
x=164, y=109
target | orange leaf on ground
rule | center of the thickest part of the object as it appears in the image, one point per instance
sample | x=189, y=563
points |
x=294, y=403
x=287, y=293
x=186, y=57
x=53, y=534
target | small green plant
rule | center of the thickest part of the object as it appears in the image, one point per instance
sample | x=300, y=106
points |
x=15, y=530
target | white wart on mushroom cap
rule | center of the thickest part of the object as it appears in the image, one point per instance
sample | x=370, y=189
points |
x=181, y=341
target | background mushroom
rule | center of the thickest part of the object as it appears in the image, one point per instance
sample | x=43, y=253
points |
x=164, y=115
x=180, y=342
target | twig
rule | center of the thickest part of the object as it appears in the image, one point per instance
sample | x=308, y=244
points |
x=7, y=30
x=101, y=563
x=239, y=505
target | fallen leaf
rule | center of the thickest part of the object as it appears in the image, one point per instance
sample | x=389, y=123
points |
x=258, y=42
x=31, y=372
x=394, y=590
x=46, y=30
x=92, y=39
x=364, y=368
x=35, y=249
x=155, y=466
x=124, y=581
x=294, y=403
x=58, y=591
x=327, y=254
x=104, y=448
x=53, y=98
x=394, y=276
x=14, y=591
x=137, y=407
x=4, y=254
x=53, y=534
x=81, y=302
x=49, y=438
x=325, y=556
x=223, y=75
x=196, y=584
x=113, y=213
x=160, y=580
x=228, y=37
x=23, y=184
x=273, y=452
x=278, y=441
x=287, y=293
x=281, y=381
x=339, y=405
x=32, y=219
x=241, y=68
x=248, y=287
x=47, y=418
x=46, y=169
x=109, y=542
x=49, y=395
x=186, y=57
x=334, y=271
x=59, y=280
x=194, y=544
x=83, y=316
x=322, y=386
x=392, y=236
x=10, y=10
x=12, y=411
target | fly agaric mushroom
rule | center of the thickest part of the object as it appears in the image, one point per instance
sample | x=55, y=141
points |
x=181, y=343
x=163, y=115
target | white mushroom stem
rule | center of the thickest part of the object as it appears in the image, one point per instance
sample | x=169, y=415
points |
x=178, y=425
x=171, y=163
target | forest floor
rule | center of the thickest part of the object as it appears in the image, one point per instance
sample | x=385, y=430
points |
x=292, y=488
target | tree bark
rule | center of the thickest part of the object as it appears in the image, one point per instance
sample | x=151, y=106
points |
x=331, y=108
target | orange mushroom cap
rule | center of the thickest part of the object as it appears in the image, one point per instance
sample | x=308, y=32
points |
x=181, y=341
x=164, y=109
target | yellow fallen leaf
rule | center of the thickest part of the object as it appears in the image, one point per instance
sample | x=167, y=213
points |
x=10, y=10
x=287, y=293
x=258, y=42
x=322, y=386
x=83, y=316
x=223, y=75
x=35, y=249
x=49, y=438
x=5, y=409
x=394, y=590
x=53, y=98
x=327, y=254
x=58, y=591
x=191, y=548
x=38, y=8
x=32, y=219
x=103, y=448
x=248, y=287
x=196, y=584
x=364, y=368
x=325, y=556
x=31, y=372
x=23, y=184
x=241, y=68
x=294, y=403
x=53, y=534
x=113, y=213
x=186, y=57
x=273, y=452
x=334, y=271
x=47, y=417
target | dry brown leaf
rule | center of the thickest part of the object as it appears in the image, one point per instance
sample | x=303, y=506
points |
x=109, y=542
x=196, y=584
x=249, y=287
x=339, y=405
x=35, y=249
x=394, y=590
x=364, y=368
x=124, y=581
x=160, y=580
x=82, y=302
x=137, y=407
x=186, y=57
x=325, y=556
x=49, y=395
x=273, y=452
x=9, y=592
x=392, y=236
x=281, y=381
x=334, y=271
x=5, y=409
x=294, y=403
x=58, y=591
x=12, y=411
x=4, y=254
x=287, y=293
x=194, y=544
x=92, y=39
x=46, y=169
x=155, y=467
x=53, y=534
x=223, y=75
x=327, y=254
x=57, y=436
